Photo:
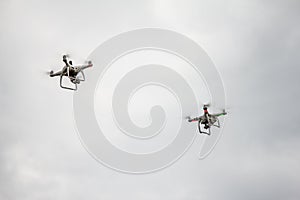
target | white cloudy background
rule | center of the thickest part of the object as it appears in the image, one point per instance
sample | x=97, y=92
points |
x=255, y=46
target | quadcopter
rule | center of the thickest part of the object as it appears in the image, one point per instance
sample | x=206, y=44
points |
x=71, y=72
x=207, y=120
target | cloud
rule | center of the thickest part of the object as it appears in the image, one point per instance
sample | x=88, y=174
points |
x=254, y=44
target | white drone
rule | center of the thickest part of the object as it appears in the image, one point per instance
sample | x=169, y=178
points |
x=71, y=72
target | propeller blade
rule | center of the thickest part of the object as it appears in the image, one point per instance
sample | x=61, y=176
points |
x=205, y=104
x=67, y=55
x=46, y=72
x=76, y=58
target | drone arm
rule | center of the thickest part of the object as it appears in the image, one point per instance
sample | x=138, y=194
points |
x=56, y=74
x=194, y=119
x=83, y=67
x=220, y=114
x=65, y=60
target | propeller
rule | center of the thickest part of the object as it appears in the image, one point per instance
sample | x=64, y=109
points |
x=224, y=110
x=48, y=72
x=78, y=59
x=88, y=62
x=45, y=72
x=207, y=104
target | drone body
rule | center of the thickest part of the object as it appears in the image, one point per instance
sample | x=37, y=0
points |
x=207, y=120
x=71, y=72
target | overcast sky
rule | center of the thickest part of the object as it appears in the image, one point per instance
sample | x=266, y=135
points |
x=254, y=44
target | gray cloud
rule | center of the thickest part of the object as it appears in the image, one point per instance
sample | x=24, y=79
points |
x=254, y=44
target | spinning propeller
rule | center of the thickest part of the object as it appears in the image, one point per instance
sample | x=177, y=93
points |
x=207, y=105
